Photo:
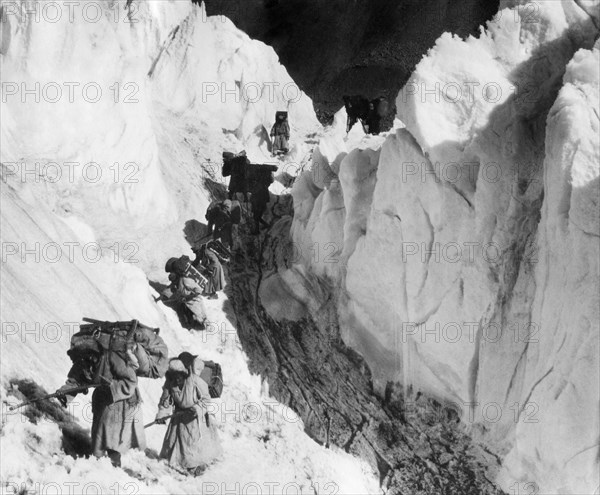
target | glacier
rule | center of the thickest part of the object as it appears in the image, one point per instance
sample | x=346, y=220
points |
x=464, y=248
x=460, y=249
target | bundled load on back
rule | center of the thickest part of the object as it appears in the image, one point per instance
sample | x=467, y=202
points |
x=184, y=267
x=144, y=349
x=209, y=371
x=217, y=247
x=280, y=132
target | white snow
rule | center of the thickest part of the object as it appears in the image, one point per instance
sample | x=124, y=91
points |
x=75, y=246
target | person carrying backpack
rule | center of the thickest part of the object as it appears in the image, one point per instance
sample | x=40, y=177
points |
x=208, y=261
x=186, y=297
x=117, y=424
x=281, y=133
x=260, y=198
x=220, y=222
x=191, y=441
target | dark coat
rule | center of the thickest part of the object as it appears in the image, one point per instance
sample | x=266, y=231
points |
x=220, y=223
x=239, y=175
x=207, y=258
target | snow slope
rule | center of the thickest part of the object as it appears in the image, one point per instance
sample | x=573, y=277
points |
x=118, y=175
x=465, y=245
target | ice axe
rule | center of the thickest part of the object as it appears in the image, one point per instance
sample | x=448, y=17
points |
x=70, y=391
x=178, y=413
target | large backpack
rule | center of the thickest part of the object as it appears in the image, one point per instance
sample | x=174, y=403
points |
x=216, y=209
x=213, y=375
x=221, y=252
x=183, y=266
x=131, y=338
x=227, y=159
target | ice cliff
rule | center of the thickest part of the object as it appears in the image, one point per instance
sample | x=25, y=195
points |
x=463, y=249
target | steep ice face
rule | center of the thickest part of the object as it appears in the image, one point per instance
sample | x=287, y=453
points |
x=123, y=165
x=466, y=245
x=560, y=372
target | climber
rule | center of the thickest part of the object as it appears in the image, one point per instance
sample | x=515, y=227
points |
x=236, y=166
x=184, y=295
x=191, y=441
x=369, y=113
x=378, y=109
x=281, y=133
x=117, y=423
x=260, y=197
x=220, y=222
x=208, y=260
x=357, y=108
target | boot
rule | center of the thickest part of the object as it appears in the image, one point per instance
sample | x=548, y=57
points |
x=115, y=457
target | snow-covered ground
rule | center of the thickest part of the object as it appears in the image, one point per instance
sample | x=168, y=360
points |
x=103, y=163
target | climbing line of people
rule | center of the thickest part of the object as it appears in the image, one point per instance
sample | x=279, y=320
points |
x=109, y=357
x=369, y=112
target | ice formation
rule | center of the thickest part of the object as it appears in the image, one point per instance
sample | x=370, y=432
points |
x=462, y=245
x=466, y=244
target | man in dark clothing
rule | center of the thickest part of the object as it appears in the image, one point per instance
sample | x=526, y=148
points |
x=369, y=113
x=220, y=223
x=260, y=198
x=237, y=167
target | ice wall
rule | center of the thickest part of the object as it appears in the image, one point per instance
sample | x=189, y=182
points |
x=110, y=140
x=465, y=247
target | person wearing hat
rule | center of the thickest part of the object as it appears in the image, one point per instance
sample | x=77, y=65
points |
x=191, y=441
x=117, y=423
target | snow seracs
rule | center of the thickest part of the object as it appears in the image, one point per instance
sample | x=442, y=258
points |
x=104, y=112
x=122, y=168
x=463, y=243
